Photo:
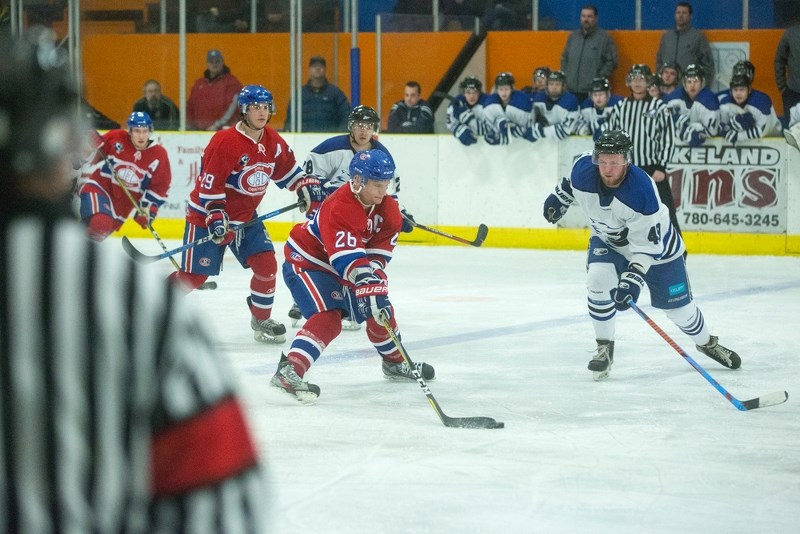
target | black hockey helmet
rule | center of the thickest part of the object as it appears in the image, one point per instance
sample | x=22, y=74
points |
x=613, y=142
x=638, y=70
x=504, y=78
x=740, y=80
x=557, y=75
x=669, y=65
x=38, y=107
x=744, y=68
x=600, y=84
x=694, y=71
x=541, y=72
x=366, y=114
x=470, y=82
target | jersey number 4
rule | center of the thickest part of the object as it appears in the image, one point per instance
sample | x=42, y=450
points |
x=654, y=234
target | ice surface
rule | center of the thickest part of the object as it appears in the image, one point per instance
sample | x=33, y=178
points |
x=655, y=448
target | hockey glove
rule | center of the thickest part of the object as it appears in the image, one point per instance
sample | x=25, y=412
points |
x=217, y=223
x=559, y=132
x=310, y=191
x=491, y=137
x=465, y=135
x=730, y=134
x=372, y=296
x=408, y=221
x=502, y=131
x=629, y=286
x=696, y=139
x=744, y=121
x=146, y=214
x=557, y=204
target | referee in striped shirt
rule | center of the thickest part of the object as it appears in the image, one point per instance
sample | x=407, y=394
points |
x=116, y=413
x=649, y=124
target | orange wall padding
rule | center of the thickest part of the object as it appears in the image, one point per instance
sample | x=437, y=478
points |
x=116, y=66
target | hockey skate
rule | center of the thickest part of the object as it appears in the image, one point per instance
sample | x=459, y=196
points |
x=600, y=364
x=267, y=330
x=347, y=324
x=720, y=354
x=287, y=379
x=401, y=371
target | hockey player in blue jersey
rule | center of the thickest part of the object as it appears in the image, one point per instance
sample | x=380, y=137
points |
x=556, y=110
x=507, y=112
x=631, y=243
x=465, y=114
x=596, y=108
x=694, y=107
x=746, y=113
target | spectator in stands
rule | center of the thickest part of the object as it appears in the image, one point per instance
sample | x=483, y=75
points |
x=461, y=14
x=686, y=45
x=412, y=114
x=223, y=16
x=694, y=108
x=161, y=109
x=746, y=113
x=787, y=69
x=669, y=74
x=590, y=53
x=465, y=116
x=318, y=16
x=324, y=106
x=507, y=14
x=212, y=101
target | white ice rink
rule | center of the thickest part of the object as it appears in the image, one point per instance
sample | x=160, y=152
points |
x=653, y=449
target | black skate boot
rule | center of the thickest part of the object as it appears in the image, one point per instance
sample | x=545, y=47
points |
x=720, y=354
x=401, y=370
x=295, y=315
x=287, y=379
x=603, y=358
x=268, y=330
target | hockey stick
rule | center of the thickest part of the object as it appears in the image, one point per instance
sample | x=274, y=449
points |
x=779, y=397
x=140, y=211
x=140, y=257
x=458, y=422
x=483, y=230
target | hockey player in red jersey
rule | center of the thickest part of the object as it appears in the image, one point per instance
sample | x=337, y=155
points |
x=130, y=160
x=335, y=268
x=237, y=166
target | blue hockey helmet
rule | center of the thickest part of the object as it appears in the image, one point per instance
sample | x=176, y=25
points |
x=140, y=119
x=372, y=164
x=255, y=94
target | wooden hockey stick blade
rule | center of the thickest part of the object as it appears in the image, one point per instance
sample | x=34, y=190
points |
x=771, y=399
x=135, y=253
x=483, y=231
x=208, y=285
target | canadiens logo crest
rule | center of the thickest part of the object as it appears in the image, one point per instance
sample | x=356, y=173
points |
x=205, y=262
x=254, y=180
x=295, y=256
x=336, y=295
x=118, y=147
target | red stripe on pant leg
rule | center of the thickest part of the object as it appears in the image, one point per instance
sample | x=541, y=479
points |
x=208, y=448
x=312, y=289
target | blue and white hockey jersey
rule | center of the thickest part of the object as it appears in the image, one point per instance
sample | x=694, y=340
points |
x=505, y=120
x=756, y=119
x=460, y=116
x=330, y=163
x=556, y=118
x=591, y=119
x=701, y=115
x=630, y=218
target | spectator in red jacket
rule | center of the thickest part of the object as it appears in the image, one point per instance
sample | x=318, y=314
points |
x=212, y=102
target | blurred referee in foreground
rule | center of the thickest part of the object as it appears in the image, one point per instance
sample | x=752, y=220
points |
x=116, y=414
